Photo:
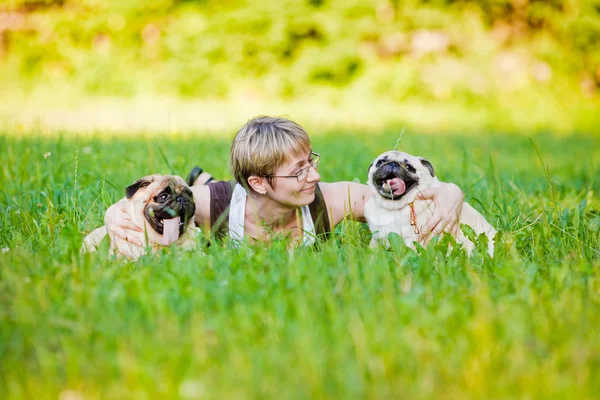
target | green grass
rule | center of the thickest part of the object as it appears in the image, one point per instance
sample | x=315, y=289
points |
x=343, y=322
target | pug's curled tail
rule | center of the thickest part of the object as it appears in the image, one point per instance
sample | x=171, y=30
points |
x=93, y=240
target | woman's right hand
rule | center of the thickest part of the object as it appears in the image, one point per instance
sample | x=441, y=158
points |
x=124, y=234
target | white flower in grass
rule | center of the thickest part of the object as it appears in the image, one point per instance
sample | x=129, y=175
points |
x=5, y=250
x=70, y=394
x=47, y=154
x=87, y=150
x=191, y=389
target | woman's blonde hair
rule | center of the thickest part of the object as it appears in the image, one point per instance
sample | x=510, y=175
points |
x=261, y=146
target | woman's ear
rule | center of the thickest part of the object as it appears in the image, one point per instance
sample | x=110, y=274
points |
x=257, y=184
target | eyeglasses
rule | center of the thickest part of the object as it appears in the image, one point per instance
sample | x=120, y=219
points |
x=303, y=173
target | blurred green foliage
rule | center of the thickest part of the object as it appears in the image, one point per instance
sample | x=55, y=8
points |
x=493, y=51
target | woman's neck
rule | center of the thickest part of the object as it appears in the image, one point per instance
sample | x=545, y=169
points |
x=261, y=210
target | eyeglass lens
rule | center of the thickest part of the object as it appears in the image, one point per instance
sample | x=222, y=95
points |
x=303, y=173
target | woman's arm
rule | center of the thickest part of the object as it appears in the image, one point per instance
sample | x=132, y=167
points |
x=202, y=201
x=345, y=199
x=348, y=199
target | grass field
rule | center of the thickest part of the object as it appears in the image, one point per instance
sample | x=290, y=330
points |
x=343, y=322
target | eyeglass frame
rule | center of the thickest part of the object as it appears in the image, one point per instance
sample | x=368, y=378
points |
x=313, y=164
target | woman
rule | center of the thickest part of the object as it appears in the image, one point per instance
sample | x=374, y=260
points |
x=278, y=192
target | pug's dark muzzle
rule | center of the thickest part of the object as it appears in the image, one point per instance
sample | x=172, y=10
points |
x=181, y=206
x=389, y=171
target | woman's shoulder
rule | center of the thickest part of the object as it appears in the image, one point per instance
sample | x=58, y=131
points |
x=212, y=201
x=222, y=190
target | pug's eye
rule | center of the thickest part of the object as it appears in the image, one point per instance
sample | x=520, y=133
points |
x=410, y=169
x=162, y=197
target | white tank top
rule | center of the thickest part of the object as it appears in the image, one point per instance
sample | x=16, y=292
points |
x=237, y=211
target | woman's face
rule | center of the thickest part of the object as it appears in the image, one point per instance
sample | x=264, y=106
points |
x=293, y=191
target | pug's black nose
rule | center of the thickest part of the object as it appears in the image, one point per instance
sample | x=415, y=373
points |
x=180, y=200
x=394, y=164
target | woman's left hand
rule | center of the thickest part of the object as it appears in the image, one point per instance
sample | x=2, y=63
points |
x=448, y=202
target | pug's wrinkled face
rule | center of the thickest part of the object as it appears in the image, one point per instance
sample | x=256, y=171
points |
x=166, y=197
x=394, y=174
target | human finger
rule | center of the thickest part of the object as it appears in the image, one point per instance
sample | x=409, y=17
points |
x=130, y=225
x=122, y=249
x=452, y=225
x=436, y=231
x=425, y=233
x=127, y=249
x=428, y=194
x=127, y=235
x=125, y=221
x=123, y=225
x=440, y=228
x=134, y=252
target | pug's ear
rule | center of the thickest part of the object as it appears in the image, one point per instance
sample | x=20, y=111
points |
x=137, y=185
x=427, y=165
x=369, y=169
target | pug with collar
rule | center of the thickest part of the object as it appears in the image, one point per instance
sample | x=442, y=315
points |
x=395, y=179
x=163, y=207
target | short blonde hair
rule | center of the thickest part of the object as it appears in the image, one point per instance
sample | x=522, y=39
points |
x=261, y=146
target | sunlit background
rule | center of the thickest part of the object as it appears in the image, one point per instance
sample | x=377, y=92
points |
x=207, y=66
x=501, y=96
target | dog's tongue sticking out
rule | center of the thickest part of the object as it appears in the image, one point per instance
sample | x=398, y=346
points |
x=170, y=230
x=397, y=186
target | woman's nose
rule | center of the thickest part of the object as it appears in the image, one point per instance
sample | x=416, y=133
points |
x=313, y=175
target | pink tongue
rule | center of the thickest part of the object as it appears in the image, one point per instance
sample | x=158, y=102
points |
x=170, y=230
x=397, y=186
